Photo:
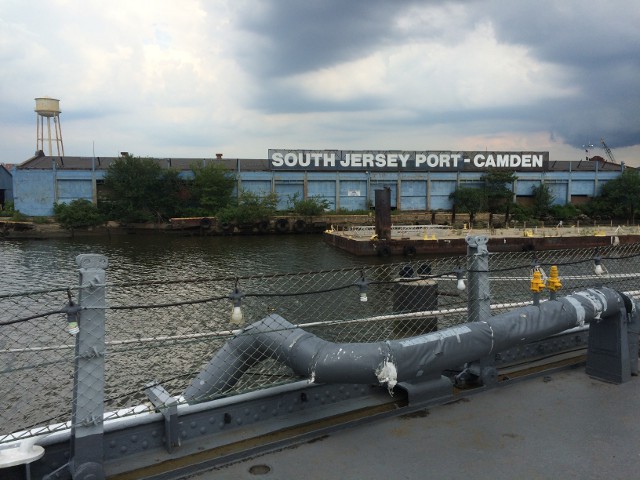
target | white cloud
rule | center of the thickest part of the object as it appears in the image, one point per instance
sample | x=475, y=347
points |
x=476, y=72
x=178, y=79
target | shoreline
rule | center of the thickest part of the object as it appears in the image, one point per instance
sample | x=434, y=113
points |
x=353, y=233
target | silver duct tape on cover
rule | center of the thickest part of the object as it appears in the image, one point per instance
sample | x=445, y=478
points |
x=393, y=361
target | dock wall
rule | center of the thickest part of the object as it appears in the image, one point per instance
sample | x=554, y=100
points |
x=499, y=242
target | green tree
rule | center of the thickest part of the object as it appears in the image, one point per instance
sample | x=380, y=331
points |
x=622, y=195
x=139, y=190
x=308, y=207
x=169, y=200
x=566, y=212
x=212, y=188
x=250, y=208
x=469, y=200
x=8, y=209
x=499, y=196
x=542, y=201
x=79, y=213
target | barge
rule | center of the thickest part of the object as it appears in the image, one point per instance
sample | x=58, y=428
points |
x=409, y=240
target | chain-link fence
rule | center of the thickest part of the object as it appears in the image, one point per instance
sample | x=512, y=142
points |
x=164, y=333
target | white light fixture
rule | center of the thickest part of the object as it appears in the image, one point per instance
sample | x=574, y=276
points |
x=73, y=311
x=363, y=285
x=237, y=317
x=460, y=276
x=598, y=269
x=72, y=328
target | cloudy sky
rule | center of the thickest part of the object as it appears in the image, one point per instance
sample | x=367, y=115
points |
x=193, y=78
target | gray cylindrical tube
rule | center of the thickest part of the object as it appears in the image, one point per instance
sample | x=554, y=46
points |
x=396, y=360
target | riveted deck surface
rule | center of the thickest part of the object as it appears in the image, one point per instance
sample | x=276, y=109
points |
x=565, y=425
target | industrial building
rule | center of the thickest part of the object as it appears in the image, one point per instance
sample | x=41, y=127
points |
x=419, y=181
x=6, y=185
x=345, y=179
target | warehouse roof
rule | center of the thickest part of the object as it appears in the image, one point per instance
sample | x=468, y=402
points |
x=40, y=161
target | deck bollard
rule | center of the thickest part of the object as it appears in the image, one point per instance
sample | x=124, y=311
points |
x=414, y=294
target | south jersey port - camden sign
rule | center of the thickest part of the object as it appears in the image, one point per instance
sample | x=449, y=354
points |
x=405, y=161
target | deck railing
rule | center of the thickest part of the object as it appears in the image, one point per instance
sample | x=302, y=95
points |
x=76, y=351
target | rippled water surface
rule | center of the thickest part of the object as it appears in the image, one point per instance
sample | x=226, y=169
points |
x=170, y=329
x=28, y=264
x=36, y=354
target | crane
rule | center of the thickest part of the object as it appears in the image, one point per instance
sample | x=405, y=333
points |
x=608, y=151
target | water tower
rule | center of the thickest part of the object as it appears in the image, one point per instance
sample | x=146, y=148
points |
x=48, y=108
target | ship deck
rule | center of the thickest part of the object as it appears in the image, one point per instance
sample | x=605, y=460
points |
x=558, y=425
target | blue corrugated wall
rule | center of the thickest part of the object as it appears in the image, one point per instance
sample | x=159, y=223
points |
x=35, y=191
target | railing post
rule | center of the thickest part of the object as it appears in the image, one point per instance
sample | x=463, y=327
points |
x=478, y=307
x=87, y=452
x=479, y=297
x=88, y=389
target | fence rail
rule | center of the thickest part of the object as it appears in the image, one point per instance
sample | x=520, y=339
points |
x=163, y=333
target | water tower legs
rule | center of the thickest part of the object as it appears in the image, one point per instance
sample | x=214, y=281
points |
x=48, y=108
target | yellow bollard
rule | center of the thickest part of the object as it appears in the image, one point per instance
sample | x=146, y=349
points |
x=553, y=282
x=537, y=285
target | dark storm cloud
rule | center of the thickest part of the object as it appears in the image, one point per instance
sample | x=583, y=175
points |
x=596, y=44
x=281, y=98
x=600, y=43
x=292, y=36
x=584, y=34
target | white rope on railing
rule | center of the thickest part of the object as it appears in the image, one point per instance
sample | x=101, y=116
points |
x=226, y=333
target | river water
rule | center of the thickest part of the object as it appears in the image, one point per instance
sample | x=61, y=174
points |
x=31, y=264
x=158, y=344
x=35, y=358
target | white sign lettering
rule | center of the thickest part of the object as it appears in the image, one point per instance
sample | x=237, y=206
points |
x=508, y=161
x=410, y=161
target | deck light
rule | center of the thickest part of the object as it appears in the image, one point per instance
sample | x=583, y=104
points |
x=237, y=317
x=363, y=285
x=72, y=328
x=460, y=276
x=72, y=325
x=72, y=310
x=598, y=269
